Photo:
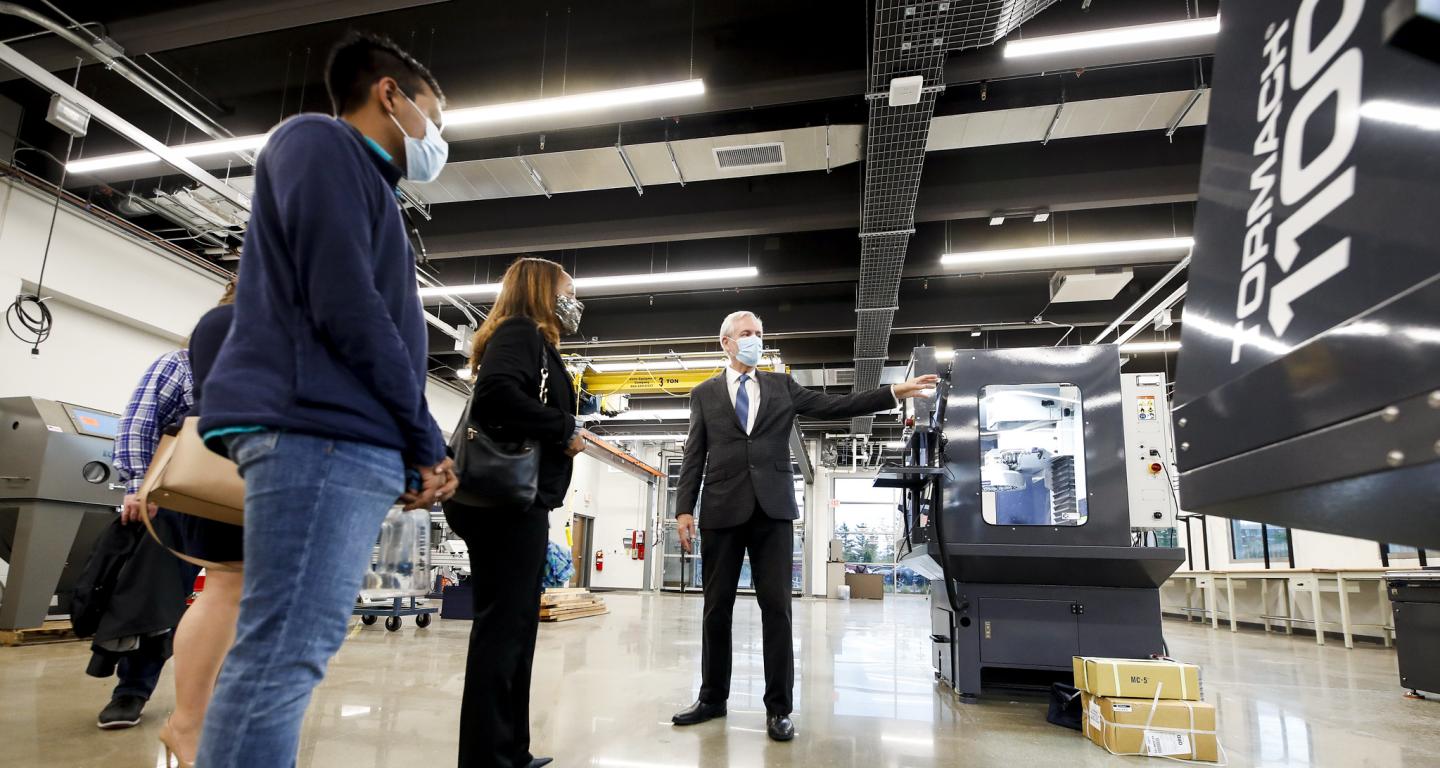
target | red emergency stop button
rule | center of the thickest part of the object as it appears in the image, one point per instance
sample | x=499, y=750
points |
x=1155, y=468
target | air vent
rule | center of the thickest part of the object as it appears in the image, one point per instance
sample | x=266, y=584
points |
x=750, y=156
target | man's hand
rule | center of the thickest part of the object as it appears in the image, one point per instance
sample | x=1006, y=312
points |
x=576, y=446
x=916, y=386
x=437, y=484
x=685, y=524
x=130, y=509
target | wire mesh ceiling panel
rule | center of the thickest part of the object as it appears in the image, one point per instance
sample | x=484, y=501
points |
x=982, y=22
x=911, y=38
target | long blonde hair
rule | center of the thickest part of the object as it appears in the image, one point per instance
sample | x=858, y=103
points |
x=529, y=289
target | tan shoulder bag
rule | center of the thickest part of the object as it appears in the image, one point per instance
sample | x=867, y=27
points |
x=188, y=477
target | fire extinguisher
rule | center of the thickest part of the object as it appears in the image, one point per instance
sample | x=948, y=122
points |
x=639, y=545
x=599, y=561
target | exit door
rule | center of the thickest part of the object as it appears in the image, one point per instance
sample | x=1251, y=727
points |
x=581, y=532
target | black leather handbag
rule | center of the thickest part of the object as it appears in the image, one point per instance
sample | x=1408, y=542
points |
x=495, y=474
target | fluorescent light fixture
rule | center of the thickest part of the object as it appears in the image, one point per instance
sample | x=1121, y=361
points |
x=608, y=281
x=467, y=116
x=657, y=414
x=996, y=221
x=1141, y=347
x=1042, y=217
x=1112, y=38
x=975, y=333
x=700, y=364
x=944, y=353
x=675, y=438
x=197, y=149
x=1073, y=249
x=1400, y=113
x=581, y=102
x=894, y=444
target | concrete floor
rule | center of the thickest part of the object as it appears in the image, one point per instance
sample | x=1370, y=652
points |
x=605, y=689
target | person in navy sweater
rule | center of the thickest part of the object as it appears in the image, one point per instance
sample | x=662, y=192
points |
x=318, y=393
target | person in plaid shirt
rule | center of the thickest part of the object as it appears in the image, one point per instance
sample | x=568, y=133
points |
x=163, y=396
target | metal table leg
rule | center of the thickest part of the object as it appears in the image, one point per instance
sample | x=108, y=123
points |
x=1344, y=611
x=1230, y=595
x=1316, y=606
x=1265, y=603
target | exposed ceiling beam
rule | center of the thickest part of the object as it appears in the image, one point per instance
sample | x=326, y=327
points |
x=1100, y=172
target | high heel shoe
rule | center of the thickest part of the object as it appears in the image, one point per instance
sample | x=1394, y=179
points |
x=167, y=739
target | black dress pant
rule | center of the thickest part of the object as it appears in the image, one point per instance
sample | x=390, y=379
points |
x=507, y=565
x=771, y=546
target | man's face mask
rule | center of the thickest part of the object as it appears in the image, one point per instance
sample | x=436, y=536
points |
x=568, y=310
x=425, y=156
x=748, y=349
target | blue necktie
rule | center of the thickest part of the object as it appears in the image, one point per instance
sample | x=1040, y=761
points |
x=742, y=403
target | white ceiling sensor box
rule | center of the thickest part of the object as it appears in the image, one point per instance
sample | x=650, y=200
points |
x=1088, y=284
x=905, y=91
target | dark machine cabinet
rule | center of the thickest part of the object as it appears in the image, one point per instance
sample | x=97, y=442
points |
x=1415, y=600
x=1013, y=602
x=1026, y=635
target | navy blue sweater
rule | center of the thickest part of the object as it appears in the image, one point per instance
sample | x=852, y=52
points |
x=329, y=338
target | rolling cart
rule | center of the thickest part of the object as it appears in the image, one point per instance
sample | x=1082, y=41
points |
x=369, y=614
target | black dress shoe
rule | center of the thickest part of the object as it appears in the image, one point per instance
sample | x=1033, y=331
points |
x=698, y=713
x=121, y=712
x=780, y=727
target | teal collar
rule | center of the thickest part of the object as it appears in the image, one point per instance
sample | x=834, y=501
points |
x=379, y=150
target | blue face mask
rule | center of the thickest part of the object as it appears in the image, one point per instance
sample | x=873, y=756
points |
x=748, y=349
x=424, y=157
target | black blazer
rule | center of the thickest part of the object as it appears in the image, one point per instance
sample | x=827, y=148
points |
x=506, y=400
x=742, y=471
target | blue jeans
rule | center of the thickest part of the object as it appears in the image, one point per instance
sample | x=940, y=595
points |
x=313, y=509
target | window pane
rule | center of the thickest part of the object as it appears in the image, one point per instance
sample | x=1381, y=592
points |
x=1245, y=542
x=1032, y=455
x=863, y=490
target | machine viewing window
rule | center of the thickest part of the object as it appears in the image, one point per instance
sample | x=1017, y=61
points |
x=1032, y=455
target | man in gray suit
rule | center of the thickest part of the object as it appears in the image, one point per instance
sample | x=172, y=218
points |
x=739, y=436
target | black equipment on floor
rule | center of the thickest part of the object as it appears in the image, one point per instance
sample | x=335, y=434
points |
x=1415, y=602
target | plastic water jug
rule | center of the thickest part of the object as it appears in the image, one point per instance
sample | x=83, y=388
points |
x=402, y=565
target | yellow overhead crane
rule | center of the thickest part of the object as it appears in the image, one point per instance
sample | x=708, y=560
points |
x=669, y=374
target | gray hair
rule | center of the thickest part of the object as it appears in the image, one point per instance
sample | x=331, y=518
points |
x=728, y=327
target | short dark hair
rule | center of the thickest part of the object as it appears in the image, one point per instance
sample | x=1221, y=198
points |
x=360, y=59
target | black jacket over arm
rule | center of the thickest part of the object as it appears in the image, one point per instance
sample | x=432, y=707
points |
x=740, y=470
x=507, y=401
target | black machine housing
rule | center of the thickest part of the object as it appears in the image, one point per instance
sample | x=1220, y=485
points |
x=1308, y=388
x=1012, y=604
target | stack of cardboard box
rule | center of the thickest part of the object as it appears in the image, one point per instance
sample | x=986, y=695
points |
x=1146, y=707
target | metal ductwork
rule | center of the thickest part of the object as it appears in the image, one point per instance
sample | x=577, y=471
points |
x=910, y=39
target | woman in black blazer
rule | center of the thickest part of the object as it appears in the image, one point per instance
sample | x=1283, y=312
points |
x=522, y=392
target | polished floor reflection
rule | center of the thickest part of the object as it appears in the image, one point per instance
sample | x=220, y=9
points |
x=605, y=689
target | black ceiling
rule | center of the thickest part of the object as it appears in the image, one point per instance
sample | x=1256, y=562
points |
x=767, y=66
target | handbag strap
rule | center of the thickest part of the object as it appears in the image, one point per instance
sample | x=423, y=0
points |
x=206, y=564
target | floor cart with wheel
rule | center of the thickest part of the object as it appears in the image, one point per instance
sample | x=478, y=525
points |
x=369, y=614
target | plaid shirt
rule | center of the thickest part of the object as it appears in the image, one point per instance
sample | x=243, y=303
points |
x=164, y=395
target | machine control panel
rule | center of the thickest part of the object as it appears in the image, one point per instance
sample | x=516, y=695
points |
x=1149, y=450
x=88, y=421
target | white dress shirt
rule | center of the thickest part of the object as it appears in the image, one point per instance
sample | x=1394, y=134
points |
x=732, y=383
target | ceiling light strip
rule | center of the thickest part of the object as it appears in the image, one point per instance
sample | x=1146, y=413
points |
x=971, y=258
x=1141, y=347
x=1142, y=34
x=454, y=117
x=609, y=281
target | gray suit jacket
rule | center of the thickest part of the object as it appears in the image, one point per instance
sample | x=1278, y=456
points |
x=740, y=470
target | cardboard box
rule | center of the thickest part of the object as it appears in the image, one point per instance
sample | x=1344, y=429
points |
x=1180, y=729
x=866, y=586
x=1138, y=678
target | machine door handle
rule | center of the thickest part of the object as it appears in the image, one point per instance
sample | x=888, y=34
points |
x=14, y=479
x=115, y=486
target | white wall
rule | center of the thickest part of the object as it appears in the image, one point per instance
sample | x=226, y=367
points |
x=118, y=304
x=617, y=501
